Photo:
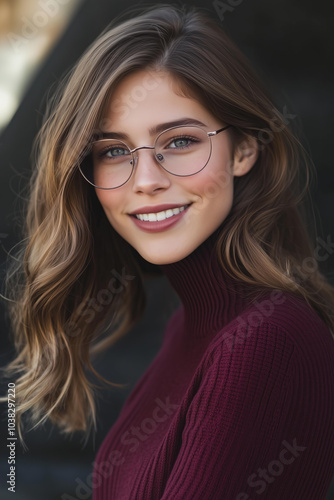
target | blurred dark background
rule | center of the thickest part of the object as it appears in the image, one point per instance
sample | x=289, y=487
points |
x=290, y=44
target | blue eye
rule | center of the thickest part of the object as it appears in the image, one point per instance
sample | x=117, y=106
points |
x=114, y=152
x=181, y=142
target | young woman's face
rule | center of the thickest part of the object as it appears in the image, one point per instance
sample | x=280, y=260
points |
x=207, y=195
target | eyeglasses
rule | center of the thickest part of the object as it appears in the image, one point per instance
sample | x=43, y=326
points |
x=181, y=151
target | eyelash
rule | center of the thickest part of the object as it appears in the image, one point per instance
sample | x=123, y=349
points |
x=103, y=152
x=188, y=137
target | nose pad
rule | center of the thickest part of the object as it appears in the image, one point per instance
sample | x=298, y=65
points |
x=158, y=157
x=151, y=176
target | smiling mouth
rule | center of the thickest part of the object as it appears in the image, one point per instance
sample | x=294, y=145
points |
x=159, y=216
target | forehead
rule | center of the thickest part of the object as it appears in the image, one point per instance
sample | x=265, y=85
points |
x=146, y=98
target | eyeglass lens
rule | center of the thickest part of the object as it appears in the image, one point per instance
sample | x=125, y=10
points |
x=180, y=151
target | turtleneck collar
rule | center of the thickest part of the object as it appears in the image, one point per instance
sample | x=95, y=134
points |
x=209, y=296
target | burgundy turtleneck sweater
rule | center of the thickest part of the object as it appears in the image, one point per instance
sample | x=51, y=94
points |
x=238, y=404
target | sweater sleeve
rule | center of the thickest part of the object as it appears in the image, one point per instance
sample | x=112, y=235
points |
x=248, y=424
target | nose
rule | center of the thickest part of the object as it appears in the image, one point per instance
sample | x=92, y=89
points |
x=148, y=175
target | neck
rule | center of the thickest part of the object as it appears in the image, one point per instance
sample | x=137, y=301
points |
x=210, y=297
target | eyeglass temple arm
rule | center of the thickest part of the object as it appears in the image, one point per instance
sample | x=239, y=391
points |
x=215, y=132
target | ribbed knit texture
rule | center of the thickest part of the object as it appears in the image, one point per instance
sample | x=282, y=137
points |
x=238, y=404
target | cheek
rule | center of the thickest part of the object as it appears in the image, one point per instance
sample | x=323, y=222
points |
x=110, y=202
x=214, y=184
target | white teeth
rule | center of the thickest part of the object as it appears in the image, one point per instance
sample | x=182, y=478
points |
x=160, y=216
x=165, y=214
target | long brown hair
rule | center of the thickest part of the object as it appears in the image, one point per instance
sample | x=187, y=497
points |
x=71, y=256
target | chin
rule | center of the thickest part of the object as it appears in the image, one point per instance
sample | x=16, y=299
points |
x=159, y=259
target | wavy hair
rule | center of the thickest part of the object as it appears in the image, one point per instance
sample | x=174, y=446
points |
x=71, y=255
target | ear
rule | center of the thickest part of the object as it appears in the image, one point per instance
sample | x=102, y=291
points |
x=246, y=154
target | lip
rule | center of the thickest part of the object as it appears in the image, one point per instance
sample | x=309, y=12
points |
x=162, y=225
x=157, y=208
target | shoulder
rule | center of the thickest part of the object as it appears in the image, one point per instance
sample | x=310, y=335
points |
x=280, y=326
x=280, y=311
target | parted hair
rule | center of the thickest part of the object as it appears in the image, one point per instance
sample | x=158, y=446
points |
x=70, y=253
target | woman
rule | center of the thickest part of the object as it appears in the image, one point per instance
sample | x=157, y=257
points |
x=162, y=151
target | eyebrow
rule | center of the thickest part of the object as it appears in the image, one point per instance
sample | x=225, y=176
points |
x=153, y=130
